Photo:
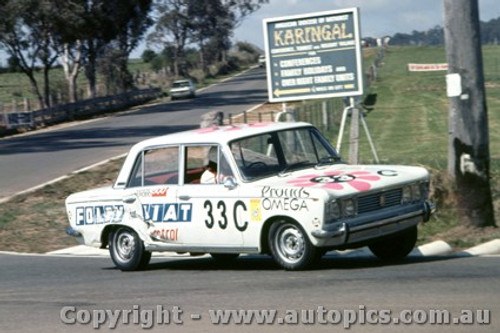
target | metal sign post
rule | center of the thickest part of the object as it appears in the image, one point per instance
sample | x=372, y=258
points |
x=356, y=115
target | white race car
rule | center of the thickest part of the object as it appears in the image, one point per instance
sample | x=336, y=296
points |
x=273, y=188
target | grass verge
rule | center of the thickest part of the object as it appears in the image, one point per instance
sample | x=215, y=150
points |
x=36, y=222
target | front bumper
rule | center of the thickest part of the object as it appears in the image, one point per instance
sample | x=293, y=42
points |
x=374, y=226
x=182, y=93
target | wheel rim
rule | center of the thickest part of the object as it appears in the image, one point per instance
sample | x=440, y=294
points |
x=125, y=246
x=290, y=243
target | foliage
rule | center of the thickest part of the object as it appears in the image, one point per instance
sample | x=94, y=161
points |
x=148, y=55
x=490, y=34
x=183, y=22
x=35, y=33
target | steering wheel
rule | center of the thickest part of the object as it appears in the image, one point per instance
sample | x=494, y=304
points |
x=254, y=164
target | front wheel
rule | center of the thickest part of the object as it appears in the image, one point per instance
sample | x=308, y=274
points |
x=290, y=247
x=395, y=247
x=127, y=250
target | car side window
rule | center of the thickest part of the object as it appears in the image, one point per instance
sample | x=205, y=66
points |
x=156, y=167
x=205, y=164
x=200, y=164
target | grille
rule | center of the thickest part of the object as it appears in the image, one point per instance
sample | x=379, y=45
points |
x=372, y=202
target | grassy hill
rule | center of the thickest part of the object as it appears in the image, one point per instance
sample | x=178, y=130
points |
x=410, y=125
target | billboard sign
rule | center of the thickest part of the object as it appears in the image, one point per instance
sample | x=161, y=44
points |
x=315, y=55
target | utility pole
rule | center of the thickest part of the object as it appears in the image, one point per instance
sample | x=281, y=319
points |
x=468, y=138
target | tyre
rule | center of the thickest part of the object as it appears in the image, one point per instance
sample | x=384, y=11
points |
x=290, y=247
x=225, y=257
x=395, y=247
x=127, y=250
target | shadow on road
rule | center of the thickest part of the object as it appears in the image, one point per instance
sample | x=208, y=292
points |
x=84, y=138
x=266, y=263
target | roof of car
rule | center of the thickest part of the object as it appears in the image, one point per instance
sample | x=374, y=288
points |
x=218, y=134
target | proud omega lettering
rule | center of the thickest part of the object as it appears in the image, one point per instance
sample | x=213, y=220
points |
x=270, y=192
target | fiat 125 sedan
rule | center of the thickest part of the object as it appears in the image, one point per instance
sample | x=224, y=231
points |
x=271, y=188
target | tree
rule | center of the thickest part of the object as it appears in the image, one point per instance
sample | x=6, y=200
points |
x=211, y=26
x=180, y=22
x=26, y=33
x=69, y=32
x=172, y=28
x=121, y=23
x=148, y=55
x=468, y=147
x=131, y=20
x=13, y=65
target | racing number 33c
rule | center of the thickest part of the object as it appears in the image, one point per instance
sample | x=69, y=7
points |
x=221, y=208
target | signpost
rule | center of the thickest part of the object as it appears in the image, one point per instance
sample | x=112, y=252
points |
x=314, y=55
x=318, y=55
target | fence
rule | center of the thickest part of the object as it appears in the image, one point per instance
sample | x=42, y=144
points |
x=81, y=109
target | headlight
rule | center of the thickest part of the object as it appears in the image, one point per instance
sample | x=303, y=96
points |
x=416, y=192
x=332, y=211
x=349, y=208
x=406, y=197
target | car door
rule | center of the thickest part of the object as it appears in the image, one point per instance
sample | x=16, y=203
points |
x=152, y=195
x=214, y=222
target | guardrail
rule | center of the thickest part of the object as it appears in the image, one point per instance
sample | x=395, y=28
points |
x=80, y=109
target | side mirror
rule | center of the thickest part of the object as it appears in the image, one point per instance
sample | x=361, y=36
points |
x=230, y=183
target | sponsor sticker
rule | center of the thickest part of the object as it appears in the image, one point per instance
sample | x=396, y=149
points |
x=90, y=215
x=167, y=212
x=255, y=210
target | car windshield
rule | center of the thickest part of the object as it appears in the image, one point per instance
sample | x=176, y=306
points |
x=180, y=84
x=278, y=153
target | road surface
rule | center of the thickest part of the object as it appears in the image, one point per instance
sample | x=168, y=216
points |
x=28, y=161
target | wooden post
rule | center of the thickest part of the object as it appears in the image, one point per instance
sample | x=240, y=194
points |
x=26, y=104
x=468, y=138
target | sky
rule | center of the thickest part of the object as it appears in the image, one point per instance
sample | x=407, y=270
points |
x=378, y=18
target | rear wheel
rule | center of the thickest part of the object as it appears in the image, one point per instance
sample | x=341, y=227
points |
x=395, y=247
x=290, y=247
x=127, y=250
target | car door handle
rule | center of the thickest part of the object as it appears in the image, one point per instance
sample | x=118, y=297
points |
x=184, y=197
x=129, y=200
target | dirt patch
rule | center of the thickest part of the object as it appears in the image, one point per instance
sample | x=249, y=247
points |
x=36, y=222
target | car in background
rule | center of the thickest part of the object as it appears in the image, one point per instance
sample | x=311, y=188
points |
x=183, y=89
x=262, y=61
x=265, y=188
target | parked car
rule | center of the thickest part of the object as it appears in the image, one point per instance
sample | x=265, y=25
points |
x=183, y=89
x=271, y=188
